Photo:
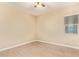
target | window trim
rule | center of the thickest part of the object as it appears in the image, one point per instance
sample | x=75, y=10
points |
x=71, y=24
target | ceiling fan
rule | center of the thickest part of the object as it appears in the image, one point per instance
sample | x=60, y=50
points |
x=38, y=4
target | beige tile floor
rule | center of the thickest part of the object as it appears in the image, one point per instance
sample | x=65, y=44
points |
x=40, y=49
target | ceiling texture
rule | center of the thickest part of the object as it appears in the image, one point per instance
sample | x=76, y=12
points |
x=29, y=7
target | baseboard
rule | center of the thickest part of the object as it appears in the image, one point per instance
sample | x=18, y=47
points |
x=64, y=45
x=17, y=45
x=69, y=46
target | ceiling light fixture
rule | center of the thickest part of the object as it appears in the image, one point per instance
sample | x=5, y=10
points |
x=38, y=4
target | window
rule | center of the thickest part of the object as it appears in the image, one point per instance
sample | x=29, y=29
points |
x=71, y=23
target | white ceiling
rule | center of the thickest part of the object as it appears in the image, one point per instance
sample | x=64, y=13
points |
x=28, y=7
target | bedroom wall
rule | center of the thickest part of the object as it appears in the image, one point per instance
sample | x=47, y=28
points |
x=51, y=27
x=16, y=27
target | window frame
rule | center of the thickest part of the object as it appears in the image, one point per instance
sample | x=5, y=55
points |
x=74, y=24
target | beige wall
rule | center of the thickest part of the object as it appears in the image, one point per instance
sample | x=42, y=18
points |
x=16, y=27
x=51, y=27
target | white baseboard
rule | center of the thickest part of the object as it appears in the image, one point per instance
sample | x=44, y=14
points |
x=64, y=45
x=69, y=46
x=17, y=45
